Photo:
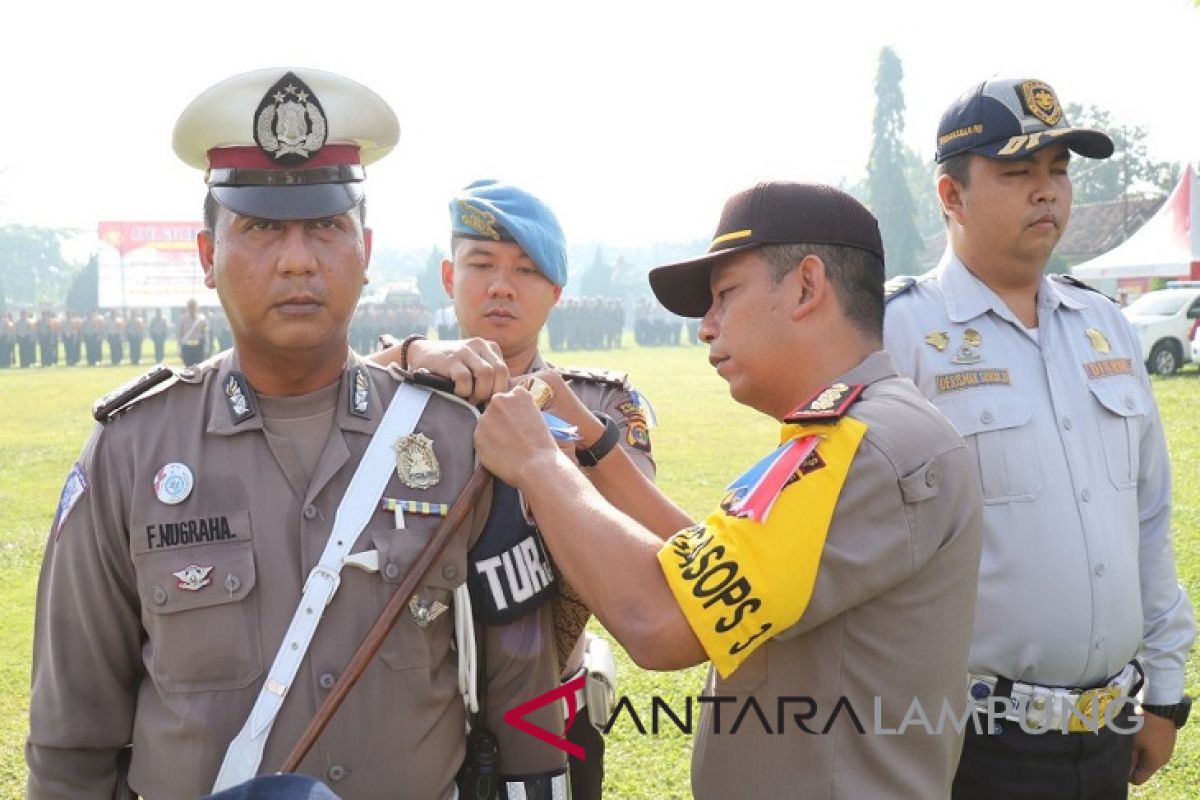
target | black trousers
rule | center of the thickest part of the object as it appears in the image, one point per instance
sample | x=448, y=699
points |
x=1015, y=765
x=587, y=776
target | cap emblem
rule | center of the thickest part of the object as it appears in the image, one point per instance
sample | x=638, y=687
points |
x=478, y=220
x=1040, y=101
x=289, y=124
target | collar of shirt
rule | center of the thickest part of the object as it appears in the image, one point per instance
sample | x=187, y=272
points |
x=967, y=297
x=222, y=423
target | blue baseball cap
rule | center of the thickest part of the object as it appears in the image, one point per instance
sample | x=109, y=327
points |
x=1011, y=118
x=491, y=210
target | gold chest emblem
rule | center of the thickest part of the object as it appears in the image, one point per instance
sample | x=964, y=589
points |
x=416, y=463
x=1099, y=343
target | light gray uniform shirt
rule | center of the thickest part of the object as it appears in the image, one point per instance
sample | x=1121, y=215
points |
x=1077, y=575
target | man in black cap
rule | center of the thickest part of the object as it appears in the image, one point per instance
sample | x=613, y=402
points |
x=1043, y=377
x=837, y=572
x=232, y=531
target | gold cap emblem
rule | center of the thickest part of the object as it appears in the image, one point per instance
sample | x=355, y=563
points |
x=478, y=220
x=1040, y=101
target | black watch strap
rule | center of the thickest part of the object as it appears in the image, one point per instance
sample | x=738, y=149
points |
x=1177, y=713
x=590, y=457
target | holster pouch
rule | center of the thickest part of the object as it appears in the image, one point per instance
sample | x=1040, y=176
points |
x=600, y=688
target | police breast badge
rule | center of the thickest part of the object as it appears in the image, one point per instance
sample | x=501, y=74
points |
x=1099, y=342
x=193, y=577
x=416, y=463
x=289, y=124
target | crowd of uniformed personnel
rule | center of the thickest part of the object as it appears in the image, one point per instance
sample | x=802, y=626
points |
x=131, y=336
x=97, y=337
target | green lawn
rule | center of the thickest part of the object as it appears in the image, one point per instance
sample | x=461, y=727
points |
x=702, y=438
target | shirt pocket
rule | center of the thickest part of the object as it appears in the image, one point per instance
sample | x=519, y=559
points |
x=422, y=634
x=1123, y=407
x=995, y=426
x=200, y=619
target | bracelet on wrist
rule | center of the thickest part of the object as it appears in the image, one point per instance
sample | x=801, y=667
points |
x=404, y=345
x=590, y=456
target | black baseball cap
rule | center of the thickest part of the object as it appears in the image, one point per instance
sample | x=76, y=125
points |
x=778, y=212
x=1011, y=118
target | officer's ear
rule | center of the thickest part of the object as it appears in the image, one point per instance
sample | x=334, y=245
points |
x=448, y=277
x=806, y=286
x=950, y=195
x=206, y=244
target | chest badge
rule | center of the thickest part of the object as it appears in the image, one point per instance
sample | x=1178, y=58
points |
x=416, y=463
x=937, y=340
x=193, y=577
x=968, y=351
x=173, y=483
x=1099, y=343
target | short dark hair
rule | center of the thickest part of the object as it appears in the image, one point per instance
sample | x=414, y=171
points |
x=856, y=276
x=212, y=207
x=957, y=167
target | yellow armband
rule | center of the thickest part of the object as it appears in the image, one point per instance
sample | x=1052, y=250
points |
x=738, y=581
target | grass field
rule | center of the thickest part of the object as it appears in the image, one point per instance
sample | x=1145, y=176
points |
x=702, y=439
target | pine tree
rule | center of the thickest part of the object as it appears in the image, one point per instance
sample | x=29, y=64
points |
x=887, y=186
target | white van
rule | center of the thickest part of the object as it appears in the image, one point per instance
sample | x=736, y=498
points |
x=1165, y=321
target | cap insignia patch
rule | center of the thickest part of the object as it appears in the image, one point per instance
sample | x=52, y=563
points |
x=1040, y=101
x=416, y=463
x=478, y=220
x=289, y=124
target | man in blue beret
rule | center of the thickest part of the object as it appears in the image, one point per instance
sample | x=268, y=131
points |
x=506, y=271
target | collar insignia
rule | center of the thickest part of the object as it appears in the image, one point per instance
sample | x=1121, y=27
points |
x=290, y=124
x=193, y=577
x=237, y=397
x=360, y=393
x=938, y=340
x=1099, y=343
x=478, y=220
x=416, y=463
x=828, y=405
x=1039, y=100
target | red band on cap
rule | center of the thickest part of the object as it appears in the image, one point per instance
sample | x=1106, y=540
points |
x=331, y=155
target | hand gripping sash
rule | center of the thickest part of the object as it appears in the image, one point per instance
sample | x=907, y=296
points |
x=245, y=752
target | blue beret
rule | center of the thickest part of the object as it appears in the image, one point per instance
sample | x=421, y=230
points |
x=488, y=209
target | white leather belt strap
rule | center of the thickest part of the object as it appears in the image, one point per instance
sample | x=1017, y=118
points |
x=1046, y=706
x=245, y=752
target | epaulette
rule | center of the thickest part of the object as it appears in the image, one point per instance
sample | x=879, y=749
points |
x=1071, y=280
x=104, y=409
x=827, y=405
x=602, y=377
x=897, y=286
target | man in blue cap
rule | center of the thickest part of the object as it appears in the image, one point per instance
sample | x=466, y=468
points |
x=1043, y=378
x=507, y=269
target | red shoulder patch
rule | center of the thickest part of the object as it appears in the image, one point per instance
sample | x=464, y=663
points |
x=827, y=405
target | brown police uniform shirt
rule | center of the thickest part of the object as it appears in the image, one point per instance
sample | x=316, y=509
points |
x=125, y=653
x=564, y=618
x=889, y=618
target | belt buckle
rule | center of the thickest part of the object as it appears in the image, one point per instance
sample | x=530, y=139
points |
x=1091, y=706
x=329, y=574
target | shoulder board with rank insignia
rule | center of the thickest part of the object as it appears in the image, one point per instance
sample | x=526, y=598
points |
x=827, y=405
x=107, y=406
x=602, y=377
x=897, y=286
x=1071, y=280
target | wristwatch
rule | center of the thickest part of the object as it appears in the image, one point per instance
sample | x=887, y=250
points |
x=1177, y=713
x=590, y=456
